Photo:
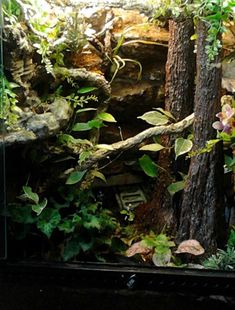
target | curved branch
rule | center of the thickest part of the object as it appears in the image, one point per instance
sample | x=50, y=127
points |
x=82, y=74
x=133, y=141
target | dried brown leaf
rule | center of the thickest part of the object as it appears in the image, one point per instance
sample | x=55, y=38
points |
x=137, y=248
x=190, y=246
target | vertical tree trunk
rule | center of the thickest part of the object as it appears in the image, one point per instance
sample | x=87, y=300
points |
x=179, y=93
x=202, y=206
x=180, y=69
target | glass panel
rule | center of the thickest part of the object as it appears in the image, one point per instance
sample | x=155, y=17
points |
x=3, y=247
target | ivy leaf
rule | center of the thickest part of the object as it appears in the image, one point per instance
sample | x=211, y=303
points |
x=71, y=249
x=93, y=222
x=29, y=194
x=86, y=246
x=81, y=127
x=98, y=175
x=182, y=146
x=75, y=177
x=106, y=117
x=176, y=187
x=77, y=219
x=154, y=147
x=21, y=214
x=154, y=118
x=38, y=208
x=85, y=90
x=148, y=166
x=48, y=221
x=67, y=226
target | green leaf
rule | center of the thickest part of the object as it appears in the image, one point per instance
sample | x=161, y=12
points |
x=119, y=44
x=76, y=219
x=93, y=222
x=85, y=90
x=85, y=110
x=182, y=146
x=21, y=214
x=75, y=177
x=95, y=123
x=86, y=246
x=38, y=208
x=194, y=37
x=84, y=155
x=67, y=226
x=167, y=113
x=176, y=187
x=72, y=249
x=98, y=175
x=30, y=194
x=154, y=147
x=81, y=127
x=106, y=117
x=148, y=166
x=225, y=136
x=13, y=85
x=211, y=143
x=154, y=118
x=65, y=138
x=48, y=221
x=229, y=161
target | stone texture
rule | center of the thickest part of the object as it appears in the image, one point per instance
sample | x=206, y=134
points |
x=32, y=126
x=132, y=94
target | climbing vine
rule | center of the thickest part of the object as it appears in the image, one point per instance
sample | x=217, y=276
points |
x=215, y=13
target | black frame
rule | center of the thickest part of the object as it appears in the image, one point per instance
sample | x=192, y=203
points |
x=41, y=286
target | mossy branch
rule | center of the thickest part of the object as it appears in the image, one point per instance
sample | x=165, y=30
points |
x=82, y=74
x=121, y=146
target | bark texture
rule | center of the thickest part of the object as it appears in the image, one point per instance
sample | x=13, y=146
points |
x=202, y=207
x=179, y=96
x=180, y=69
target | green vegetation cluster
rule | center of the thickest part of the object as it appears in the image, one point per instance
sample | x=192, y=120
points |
x=215, y=13
x=74, y=216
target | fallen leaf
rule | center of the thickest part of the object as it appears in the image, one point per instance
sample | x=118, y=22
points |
x=190, y=246
x=137, y=248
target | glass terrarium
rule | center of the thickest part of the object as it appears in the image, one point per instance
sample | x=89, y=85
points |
x=117, y=133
